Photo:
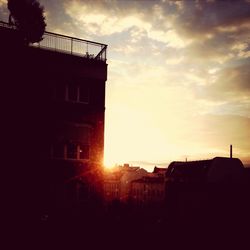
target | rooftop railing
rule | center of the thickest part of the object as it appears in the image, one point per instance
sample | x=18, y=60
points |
x=69, y=45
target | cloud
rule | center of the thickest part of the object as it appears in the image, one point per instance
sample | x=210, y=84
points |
x=201, y=18
x=170, y=37
x=230, y=84
x=4, y=12
x=217, y=31
x=216, y=49
x=3, y=2
x=98, y=19
x=242, y=49
x=103, y=19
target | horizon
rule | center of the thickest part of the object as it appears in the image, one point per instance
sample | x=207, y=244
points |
x=148, y=166
x=178, y=75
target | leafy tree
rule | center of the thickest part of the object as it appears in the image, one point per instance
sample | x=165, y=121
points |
x=28, y=17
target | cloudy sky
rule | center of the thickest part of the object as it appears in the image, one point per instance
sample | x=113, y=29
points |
x=178, y=75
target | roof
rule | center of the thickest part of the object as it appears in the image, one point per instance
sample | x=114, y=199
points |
x=149, y=179
x=159, y=170
x=66, y=44
x=131, y=168
x=213, y=170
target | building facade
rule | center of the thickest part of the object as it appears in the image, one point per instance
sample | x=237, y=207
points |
x=112, y=187
x=149, y=190
x=55, y=97
x=135, y=186
x=117, y=183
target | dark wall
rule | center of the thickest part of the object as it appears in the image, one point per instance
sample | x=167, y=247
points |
x=30, y=111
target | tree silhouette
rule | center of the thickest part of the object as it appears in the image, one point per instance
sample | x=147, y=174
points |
x=28, y=17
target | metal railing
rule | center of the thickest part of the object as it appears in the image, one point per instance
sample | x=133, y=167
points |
x=68, y=44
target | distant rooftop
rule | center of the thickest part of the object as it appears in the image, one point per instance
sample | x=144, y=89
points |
x=215, y=170
x=68, y=44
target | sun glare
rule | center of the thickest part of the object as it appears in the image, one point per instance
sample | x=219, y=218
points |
x=108, y=167
x=108, y=164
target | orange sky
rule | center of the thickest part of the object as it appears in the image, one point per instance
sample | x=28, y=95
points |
x=178, y=75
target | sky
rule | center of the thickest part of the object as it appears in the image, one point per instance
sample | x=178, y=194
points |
x=178, y=82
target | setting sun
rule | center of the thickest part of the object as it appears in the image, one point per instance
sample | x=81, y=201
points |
x=173, y=91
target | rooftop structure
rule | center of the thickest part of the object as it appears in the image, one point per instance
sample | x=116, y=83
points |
x=68, y=44
x=159, y=171
x=214, y=170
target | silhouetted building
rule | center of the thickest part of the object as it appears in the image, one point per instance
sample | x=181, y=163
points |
x=117, y=183
x=217, y=170
x=54, y=94
x=206, y=196
x=112, y=186
x=247, y=179
x=130, y=173
x=148, y=190
x=159, y=171
x=134, y=185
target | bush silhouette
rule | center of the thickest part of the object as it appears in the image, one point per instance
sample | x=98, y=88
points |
x=28, y=17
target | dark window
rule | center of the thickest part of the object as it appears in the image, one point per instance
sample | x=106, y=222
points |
x=72, y=151
x=72, y=93
x=58, y=150
x=84, y=94
x=84, y=151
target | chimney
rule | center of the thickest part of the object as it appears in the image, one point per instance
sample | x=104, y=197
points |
x=231, y=151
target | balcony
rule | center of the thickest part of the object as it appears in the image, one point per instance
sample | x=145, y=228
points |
x=69, y=45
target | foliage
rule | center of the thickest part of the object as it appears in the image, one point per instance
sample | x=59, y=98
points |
x=28, y=17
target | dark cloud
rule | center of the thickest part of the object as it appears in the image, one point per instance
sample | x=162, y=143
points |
x=235, y=79
x=217, y=49
x=198, y=18
x=56, y=18
x=232, y=83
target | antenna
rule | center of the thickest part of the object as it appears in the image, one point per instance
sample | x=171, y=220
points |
x=231, y=151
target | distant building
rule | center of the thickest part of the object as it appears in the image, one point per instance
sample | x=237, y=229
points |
x=217, y=170
x=130, y=174
x=134, y=184
x=112, y=186
x=117, y=184
x=206, y=193
x=148, y=190
x=160, y=171
x=54, y=93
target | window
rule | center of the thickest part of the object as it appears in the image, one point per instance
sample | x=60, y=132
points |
x=72, y=151
x=83, y=94
x=73, y=92
x=77, y=93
